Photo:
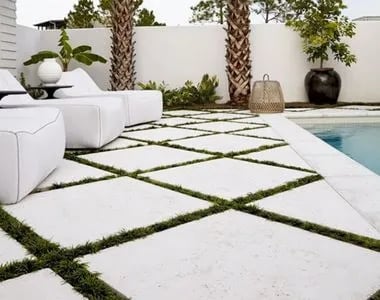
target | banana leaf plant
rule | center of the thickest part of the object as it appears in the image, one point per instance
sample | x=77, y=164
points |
x=67, y=53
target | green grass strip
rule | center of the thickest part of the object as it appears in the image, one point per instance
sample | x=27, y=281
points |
x=139, y=233
x=22, y=233
x=279, y=189
x=19, y=268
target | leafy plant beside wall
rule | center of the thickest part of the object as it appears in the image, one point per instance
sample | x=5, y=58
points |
x=67, y=53
x=202, y=93
x=322, y=27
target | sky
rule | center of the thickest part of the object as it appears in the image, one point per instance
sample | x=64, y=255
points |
x=172, y=12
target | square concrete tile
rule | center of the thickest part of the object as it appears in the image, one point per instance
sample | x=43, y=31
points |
x=261, y=132
x=70, y=171
x=41, y=285
x=89, y=212
x=225, y=143
x=227, y=178
x=250, y=120
x=162, y=134
x=281, y=155
x=177, y=121
x=184, y=112
x=220, y=126
x=10, y=250
x=319, y=203
x=144, y=158
x=121, y=143
x=238, y=256
x=363, y=193
x=222, y=116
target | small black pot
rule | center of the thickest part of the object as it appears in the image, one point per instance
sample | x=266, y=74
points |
x=323, y=86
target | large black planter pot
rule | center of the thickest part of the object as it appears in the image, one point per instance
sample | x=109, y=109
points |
x=323, y=86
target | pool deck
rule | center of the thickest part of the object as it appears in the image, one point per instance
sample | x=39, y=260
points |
x=217, y=204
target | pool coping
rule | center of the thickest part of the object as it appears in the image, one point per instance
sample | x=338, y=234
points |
x=359, y=186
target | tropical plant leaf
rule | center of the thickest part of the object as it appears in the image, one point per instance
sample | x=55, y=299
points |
x=40, y=56
x=82, y=58
x=80, y=49
x=94, y=57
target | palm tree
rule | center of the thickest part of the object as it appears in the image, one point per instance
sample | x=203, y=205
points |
x=123, y=44
x=238, y=51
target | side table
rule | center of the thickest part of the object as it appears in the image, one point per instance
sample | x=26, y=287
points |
x=50, y=89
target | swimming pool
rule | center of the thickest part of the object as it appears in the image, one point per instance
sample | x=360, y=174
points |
x=361, y=142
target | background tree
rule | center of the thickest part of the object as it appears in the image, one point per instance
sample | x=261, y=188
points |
x=83, y=15
x=238, y=51
x=272, y=10
x=212, y=11
x=142, y=17
x=123, y=45
x=145, y=17
x=215, y=11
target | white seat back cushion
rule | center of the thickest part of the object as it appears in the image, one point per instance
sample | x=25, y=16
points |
x=9, y=83
x=82, y=84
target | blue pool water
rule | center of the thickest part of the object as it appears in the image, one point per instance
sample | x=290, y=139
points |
x=359, y=141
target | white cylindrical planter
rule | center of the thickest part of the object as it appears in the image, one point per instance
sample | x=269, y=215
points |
x=49, y=71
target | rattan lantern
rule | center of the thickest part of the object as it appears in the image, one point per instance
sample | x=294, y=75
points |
x=266, y=97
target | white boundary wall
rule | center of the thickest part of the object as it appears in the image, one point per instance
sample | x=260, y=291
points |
x=8, y=53
x=177, y=54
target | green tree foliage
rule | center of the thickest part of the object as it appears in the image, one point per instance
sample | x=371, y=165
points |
x=214, y=11
x=83, y=15
x=145, y=17
x=272, y=10
x=322, y=27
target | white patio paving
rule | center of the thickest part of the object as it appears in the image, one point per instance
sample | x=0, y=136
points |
x=233, y=253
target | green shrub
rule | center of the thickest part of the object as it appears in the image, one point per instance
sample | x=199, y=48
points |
x=190, y=94
x=35, y=93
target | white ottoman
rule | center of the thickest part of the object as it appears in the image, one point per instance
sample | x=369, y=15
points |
x=32, y=144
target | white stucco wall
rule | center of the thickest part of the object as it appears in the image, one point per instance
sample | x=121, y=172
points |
x=8, y=53
x=177, y=54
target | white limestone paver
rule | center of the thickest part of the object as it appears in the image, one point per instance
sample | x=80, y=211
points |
x=184, y=112
x=319, y=203
x=70, y=171
x=10, y=250
x=162, y=134
x=140, y=127
x=251, y=120
x=89, y=212
x=144, y=158
x=261, y=132
x=227, y=178
x=362, y=192
x=225, y=143
x=41, y=285
x=222, y=116
x=282, y=155
x=221, y=126
x=178, y=121
x=121, y=143
x=238, y=256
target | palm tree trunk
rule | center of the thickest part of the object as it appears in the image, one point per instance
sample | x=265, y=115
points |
x=123, y=55
x=238, y=51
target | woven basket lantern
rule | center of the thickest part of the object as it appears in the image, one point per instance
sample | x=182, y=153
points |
x=266, y=97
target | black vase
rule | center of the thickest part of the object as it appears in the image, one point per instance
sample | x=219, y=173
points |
x=323, y=86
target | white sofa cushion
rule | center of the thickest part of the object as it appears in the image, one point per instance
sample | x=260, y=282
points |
x=89, y=122
x=32, y=143
x=140, y=106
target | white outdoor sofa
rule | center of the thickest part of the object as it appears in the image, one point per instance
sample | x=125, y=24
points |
x=89, y=122
x=140, y=106
x=32, y=144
